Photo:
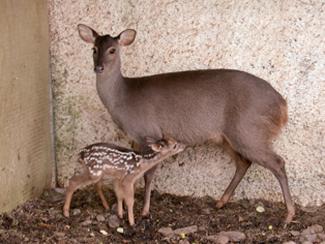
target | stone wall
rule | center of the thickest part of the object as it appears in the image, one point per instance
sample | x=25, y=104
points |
x=281, y=41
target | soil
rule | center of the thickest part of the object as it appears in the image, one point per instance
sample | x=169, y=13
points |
x=41, y=220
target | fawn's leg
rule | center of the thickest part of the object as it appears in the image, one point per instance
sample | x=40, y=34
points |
x=99, y=188
x=119, y=196
x=242, y=166
x=148, y=177
x=75, y=183
x=129, y=201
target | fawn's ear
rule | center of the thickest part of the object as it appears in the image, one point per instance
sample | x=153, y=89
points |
x=126, y=37
x=87, y=34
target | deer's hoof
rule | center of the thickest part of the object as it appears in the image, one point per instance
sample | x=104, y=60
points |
x=220, y=204
x=289, y=218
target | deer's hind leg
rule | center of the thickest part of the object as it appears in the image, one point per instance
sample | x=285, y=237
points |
x=258, y=149
x=276, y=165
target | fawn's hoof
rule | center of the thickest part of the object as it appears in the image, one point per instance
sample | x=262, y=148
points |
x=66, y=213
x=144, y=213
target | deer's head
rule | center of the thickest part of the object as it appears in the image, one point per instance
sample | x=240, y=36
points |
x=105, y=48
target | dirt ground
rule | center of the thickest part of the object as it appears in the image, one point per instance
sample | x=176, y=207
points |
x=41, y=221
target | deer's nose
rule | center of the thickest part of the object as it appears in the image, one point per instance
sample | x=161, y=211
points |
x=99, y=69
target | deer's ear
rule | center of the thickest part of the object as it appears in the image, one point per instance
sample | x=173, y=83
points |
x=126, y=37
x=169, y=139
x=149, y=140
x=156, y=147
x=87, y=34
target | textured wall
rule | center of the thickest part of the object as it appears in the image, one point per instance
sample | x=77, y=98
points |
x=26, y=148
x=280, y=41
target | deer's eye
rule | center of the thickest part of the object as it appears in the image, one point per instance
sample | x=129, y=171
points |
x=94, y=50
x=175, y=146
x=112, y=50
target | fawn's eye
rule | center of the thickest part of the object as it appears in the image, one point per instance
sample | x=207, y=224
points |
x=112, y=50
x=94, y=50
x=175, y=146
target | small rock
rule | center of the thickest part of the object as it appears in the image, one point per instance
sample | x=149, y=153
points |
x=313, y=229
x=59, y=234
x=113, y=221
x=76, y=211
x=218, y=239
x=245, y=204
x=308, y=238
x=202, y=228
x=321, y=236
x=56, y=197
x=310, y=209
x=166, y=231
x=182, y=235
x=92, y=234
x=206, y=211
x=104, y=232
x=120, y=230
x=184, y=242
x=114, y=208
x=59, y=190
x=100, y=218
x=289, y=242
x=86, y=222
x=260, y=209
x=186, y=230
x=235, y=236
x=294, y=233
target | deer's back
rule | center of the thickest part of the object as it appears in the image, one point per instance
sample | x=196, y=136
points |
x=195, y=106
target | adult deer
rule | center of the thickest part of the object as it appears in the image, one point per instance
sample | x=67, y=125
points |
x=235, y=109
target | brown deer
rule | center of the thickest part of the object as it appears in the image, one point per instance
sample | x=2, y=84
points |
x=233, y=108
x=123, y=165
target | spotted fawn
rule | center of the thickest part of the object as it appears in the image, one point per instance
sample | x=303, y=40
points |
x=123, y=165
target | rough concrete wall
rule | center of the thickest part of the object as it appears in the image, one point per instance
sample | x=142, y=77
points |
x=280, y=41
x=25, y=152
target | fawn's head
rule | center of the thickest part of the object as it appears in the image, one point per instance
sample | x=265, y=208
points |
x=106, y=48
x=167, y=146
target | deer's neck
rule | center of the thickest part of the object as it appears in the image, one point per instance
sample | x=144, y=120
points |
x=110, y=84
x=156, y=159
